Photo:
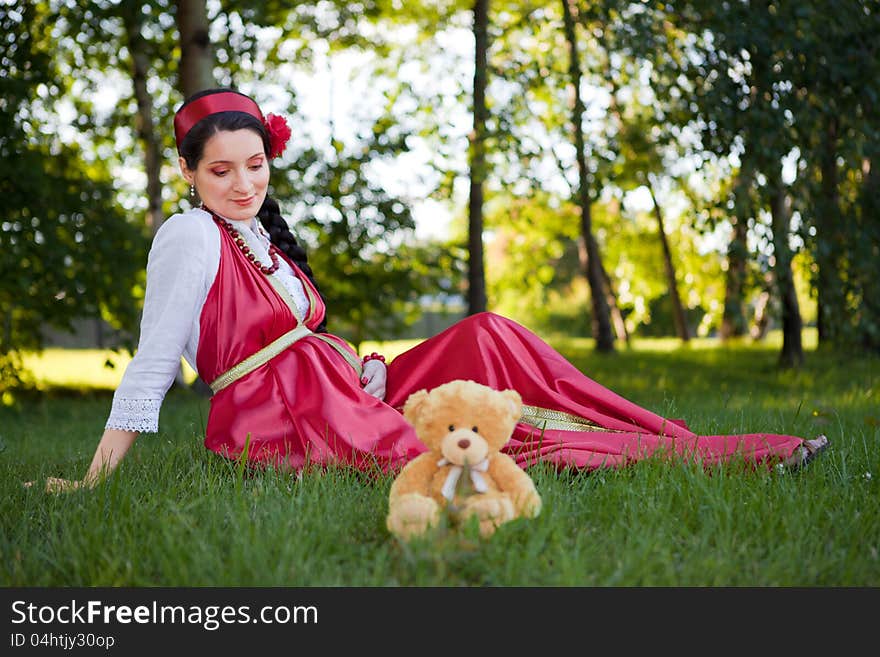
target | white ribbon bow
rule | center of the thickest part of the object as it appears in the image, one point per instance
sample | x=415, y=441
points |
x=448, y=490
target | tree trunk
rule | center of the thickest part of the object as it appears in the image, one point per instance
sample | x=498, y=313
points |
x=610, y=293
x=869, y=255
x=140, y=70
x=762, y=314
x=831, y=310
x=601, y=321
x=196, y=73
x=678, y=317
x=733, y=321
x=477, y=138
x=792, y=354
x=196, y=54
x=614, y=307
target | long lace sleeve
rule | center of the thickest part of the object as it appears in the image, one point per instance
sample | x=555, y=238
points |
x=178, y=279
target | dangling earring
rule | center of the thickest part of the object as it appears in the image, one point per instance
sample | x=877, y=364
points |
x=192, y=190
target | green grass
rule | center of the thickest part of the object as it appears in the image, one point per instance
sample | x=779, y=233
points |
x=176, y=515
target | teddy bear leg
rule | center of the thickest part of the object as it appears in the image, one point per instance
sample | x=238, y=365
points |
x=491, y=509
x=412, y=514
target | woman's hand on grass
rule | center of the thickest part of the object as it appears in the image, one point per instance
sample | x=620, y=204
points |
x=58, y=485
x=113, y=446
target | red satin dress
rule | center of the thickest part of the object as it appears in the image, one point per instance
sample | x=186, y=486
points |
x=307, y=406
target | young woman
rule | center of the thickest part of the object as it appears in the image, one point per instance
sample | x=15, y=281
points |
x=230, y=290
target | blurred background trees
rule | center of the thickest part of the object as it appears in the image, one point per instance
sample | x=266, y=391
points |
x=608, y=169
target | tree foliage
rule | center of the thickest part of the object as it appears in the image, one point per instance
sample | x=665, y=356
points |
x=67, y=249
x=763, y=81
x=730, y=110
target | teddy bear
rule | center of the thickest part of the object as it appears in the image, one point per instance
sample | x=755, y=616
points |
x=464, y=425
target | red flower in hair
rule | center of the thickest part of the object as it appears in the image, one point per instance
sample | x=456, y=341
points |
x=279, y=133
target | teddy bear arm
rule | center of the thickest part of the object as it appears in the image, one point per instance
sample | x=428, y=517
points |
x=415, y=477
x=513, y=480
x=506, y=473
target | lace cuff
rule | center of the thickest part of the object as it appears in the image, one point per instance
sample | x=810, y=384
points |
x=141, y=415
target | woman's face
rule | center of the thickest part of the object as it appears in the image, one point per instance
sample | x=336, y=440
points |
x=233, y=175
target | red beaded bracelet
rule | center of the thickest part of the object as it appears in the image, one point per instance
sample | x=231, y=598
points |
x=373, y=356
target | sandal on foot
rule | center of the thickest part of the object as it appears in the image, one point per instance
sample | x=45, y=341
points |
x=806, y=452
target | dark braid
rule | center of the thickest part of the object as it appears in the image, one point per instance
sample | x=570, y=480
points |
x=192, y=148
x=279, y=232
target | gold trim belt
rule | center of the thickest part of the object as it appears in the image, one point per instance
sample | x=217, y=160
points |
x=544, y=418
x=274, y=348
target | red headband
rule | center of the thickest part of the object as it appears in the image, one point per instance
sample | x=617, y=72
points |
x=228, y=101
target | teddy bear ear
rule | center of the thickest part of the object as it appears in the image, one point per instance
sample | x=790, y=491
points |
x=515, y=402
x=413, y=405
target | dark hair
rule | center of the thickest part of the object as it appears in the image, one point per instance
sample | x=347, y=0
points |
x=192, y=149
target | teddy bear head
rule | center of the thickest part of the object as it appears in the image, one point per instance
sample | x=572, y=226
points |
x=463, y=420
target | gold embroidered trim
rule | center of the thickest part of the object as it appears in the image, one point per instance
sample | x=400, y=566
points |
x=545, y=418
x=274, y=348
x=278, y=345
x=259, y=358
x=313, y=302
x=347, y=355
x=285, y=295
x=288, y=299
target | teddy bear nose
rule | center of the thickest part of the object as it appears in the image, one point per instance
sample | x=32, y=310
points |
x=464, y=443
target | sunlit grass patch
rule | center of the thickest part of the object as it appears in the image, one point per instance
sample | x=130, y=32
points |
x=100, y=369
x=103, y=368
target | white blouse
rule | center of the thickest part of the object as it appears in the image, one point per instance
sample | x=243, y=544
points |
x=181, y=267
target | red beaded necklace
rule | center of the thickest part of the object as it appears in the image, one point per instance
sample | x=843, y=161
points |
x=245, y=249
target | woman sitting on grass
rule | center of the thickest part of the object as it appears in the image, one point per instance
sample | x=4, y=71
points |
x=230, y=290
